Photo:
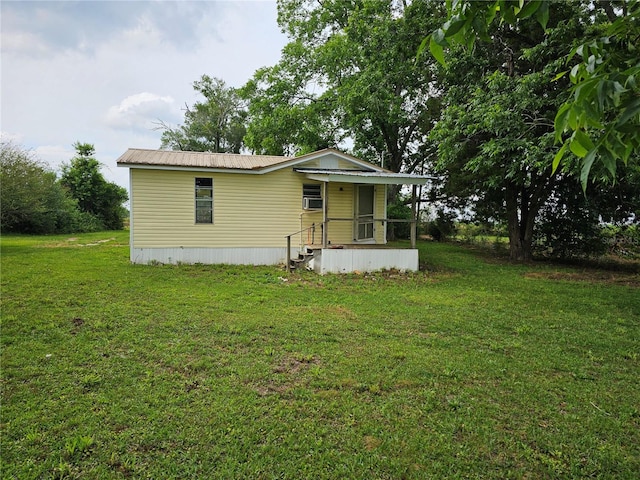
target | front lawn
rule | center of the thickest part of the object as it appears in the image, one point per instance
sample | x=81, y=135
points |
x=472, y=368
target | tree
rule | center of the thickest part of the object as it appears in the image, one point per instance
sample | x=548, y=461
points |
x=496, y=136
x=82, y=178
x=215, y=125
x=601, y=118
x=348, y=72
x=283, y=118
x=31, y=198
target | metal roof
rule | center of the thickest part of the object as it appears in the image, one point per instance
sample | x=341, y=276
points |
x=257, y=164
x=356, y=176
x=172, y=158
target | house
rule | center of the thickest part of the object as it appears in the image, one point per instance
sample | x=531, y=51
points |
x=323, y=208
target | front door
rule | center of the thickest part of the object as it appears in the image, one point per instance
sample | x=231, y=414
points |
x=364, y=212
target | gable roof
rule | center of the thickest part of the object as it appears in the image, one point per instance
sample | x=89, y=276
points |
x=229, y=162
x=360, y=171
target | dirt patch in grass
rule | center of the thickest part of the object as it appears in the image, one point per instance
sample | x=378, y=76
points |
x=70, y=242
x=591, y=276
x=295, y=364
x=371, y=443
x=96, y=243
x=289, y=371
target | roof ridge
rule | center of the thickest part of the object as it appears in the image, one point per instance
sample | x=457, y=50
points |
x=195, y=152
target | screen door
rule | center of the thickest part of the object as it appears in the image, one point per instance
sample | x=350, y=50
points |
x=364, y=216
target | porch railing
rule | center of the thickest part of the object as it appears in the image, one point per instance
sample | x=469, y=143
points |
x=384, y=222
x=311, y=230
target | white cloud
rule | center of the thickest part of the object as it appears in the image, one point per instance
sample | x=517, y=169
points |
x=140, y=111
x=102, y=72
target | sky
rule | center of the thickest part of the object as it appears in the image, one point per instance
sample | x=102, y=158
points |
x=105, y=72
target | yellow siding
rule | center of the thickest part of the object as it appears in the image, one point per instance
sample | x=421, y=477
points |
x=249, y=210
x=341, y=206
x=331, y=161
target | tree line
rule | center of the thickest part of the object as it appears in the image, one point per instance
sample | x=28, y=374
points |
x=508, y=108
x=34, y=200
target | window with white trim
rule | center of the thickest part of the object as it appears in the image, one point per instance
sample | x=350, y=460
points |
x=204, y=200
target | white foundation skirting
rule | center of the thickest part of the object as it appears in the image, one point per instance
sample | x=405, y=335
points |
x=365, y=260
x=231, y=256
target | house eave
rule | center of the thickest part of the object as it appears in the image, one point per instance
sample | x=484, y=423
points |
x=370, y=177
x=146, y=166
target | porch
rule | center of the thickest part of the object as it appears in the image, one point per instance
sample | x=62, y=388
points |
x=316, y=252
x=350, y=235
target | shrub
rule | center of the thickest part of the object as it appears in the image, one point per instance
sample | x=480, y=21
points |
x=442, y=227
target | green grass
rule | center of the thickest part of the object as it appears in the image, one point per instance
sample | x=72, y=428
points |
x=472, y=368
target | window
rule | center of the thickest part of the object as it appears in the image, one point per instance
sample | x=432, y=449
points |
x=312, y=190
x=204, y=200
x=312, y=196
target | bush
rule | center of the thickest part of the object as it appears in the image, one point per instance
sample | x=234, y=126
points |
x=34, y=202
x=622, y=240
x=442, y=227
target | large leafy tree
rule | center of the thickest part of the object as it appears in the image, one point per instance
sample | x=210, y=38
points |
x=82, y=178
x=348, y=72
x=496, y=136
x=216, y=124
x=601, y=119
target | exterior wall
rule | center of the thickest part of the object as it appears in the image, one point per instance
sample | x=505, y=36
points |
x=252, y=213
x=331, y=161
x=248, y=210
x=341, y=205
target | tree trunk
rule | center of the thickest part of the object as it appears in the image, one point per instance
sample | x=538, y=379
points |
x=523, y=205
x=520, y=225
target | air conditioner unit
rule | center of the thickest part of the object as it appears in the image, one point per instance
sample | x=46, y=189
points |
x=310, y=203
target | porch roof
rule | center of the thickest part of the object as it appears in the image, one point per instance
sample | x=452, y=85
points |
x=358, y=176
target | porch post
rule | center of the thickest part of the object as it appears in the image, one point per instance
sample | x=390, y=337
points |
x=413, y=216
x=325, y=222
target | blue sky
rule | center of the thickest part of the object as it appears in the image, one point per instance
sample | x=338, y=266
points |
x=103, y=72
